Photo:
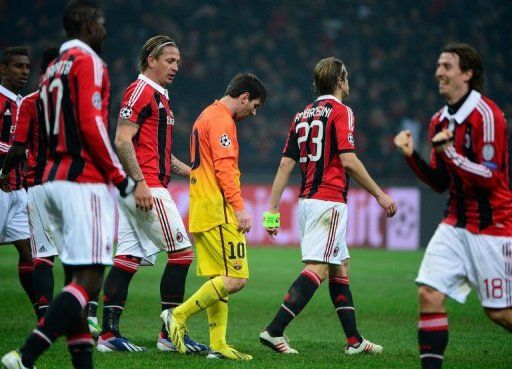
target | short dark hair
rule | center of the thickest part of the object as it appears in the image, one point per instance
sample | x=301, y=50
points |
x=468, y=59
x=247, y=82
x=49, y=54
x=9, y=52
x=326, y=75
x=76, y=13
x=153, y=47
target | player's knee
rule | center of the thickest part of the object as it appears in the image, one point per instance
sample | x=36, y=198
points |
x=502, y=317
x=430, y=299
x=234, y=284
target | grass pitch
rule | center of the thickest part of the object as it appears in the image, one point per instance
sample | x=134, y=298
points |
x=385, y=300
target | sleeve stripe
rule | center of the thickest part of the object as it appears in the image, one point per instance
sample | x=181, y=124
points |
x=4, y=147
x=106, y=142
x=350, y=119
x=488, y=117
x=98, y=71
x=466, y=164
x=136, y=93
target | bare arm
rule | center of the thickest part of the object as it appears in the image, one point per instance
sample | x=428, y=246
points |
x=126, y=130
x=280, y=182
x=357, y=171
x=179, y=168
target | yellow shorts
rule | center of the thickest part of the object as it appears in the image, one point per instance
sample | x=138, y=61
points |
x=222, y=251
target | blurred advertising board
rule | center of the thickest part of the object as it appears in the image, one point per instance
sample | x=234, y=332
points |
x=367, y=224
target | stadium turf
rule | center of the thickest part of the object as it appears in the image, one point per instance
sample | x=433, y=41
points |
x=385, y=300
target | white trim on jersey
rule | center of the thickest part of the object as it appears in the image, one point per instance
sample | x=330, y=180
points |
x=4, y=147
x=465, y=164
x=488, y=118
x=11, y=95
x=106, y=142
x=469, y=105
x=136, y=93
x=324, y=97
x=155, y=85
x=21, y=102
x=350, y=119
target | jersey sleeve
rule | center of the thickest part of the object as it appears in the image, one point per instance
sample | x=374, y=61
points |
x=25, y=118
x=291, y=147
x=89, y=73
x=490, y=147
x=435, y=174
x=222, y=137
x=136, y=104
x=343, y=124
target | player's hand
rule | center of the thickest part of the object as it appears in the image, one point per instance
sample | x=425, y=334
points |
x=404, y=142
x=5, y=182
x=442, y=139
x=387, y=203
x=244, y=221
x=143, y=197
x=271, y=222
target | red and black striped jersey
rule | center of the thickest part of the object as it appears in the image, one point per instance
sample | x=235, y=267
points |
x=9, y=103
x=318, y=134
x=475, y=169
x=75, y=91
x=28, y=133
x=146, y=103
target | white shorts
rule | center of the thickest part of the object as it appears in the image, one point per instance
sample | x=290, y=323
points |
x=456, y=260
x=41, y=238
x=144, y=234
x=13, y=216
x=82, y=221
x=323, y=227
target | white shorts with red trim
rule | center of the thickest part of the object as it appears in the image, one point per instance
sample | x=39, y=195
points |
x=323, y=227
x=41, y=237
x=144, y=234
x=457, y=260
x=82, y=222
x=13, y=216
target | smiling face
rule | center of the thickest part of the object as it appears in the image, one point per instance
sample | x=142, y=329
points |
x=165, y=66
x=453, y=82
x=15, y=74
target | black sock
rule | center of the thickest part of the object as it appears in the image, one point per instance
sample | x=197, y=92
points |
x=299, y=294
x=172, y=284
x=80, y=344
x=43, y=283
x=341, y=297
x=116, y=291
x=26, y=276
x=63, y=313
x=432, y=339
x=92, y=309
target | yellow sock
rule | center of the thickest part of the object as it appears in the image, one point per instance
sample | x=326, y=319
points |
x=207, y=295
x=218, y=323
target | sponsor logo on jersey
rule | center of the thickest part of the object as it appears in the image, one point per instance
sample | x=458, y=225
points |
x=160, y=105
x=225, y=140
x=126, y=112
x=41, y=249
x=488, y=152
x=170, y=120
x=96, y=100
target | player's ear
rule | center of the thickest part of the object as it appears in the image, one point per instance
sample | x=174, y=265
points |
x=468, y=75
x=244, y=98
x=151, y=60
x=3, y=69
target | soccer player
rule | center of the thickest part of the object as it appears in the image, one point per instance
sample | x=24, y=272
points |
x=75, y=93
x=321, y=140
x=472, y=247
x=14, y=70
x=218, y=217
x=150, y=222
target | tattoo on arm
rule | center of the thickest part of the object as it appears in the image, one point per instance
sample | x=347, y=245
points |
x=126, y=152
x=179, y=167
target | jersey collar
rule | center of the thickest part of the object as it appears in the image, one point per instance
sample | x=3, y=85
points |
x=324, y=97
x=155, y=85
x=464, y=111
x=11, y=95
x=80, y=44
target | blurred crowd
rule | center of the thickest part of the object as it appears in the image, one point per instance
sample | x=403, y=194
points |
x=389, y=47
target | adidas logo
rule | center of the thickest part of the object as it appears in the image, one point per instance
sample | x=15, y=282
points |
x=160, y=105
x=7, y=112
x=42, y=249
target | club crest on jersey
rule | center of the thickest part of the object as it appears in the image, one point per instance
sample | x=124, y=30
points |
x=336, y=250
x=237, y=265
x=126, y=112
x=488, y=152
x=225, y=140
x=96, y=100
x=351, y=139
x=179, y=237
